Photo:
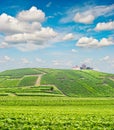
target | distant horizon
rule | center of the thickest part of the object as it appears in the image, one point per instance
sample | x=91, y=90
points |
x=57, y=34
x=55, y=68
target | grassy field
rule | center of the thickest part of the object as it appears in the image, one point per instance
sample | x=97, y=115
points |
x=28, y=81
x=18, y=73
x=57, y=113
x=84, y=83
x=52, y=99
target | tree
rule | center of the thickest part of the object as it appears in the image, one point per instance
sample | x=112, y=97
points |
x=52, y=88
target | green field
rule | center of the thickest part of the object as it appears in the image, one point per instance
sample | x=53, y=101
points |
x=81, y=83
x=28, y=81
x=56, y=113
x=53, y=99
x=72, y=83
x=18, y=73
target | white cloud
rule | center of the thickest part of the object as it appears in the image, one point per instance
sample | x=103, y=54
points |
x=68, y=36
x=5, y=59
x=38, y=36
x=26, y=47
x=87, y=14
x=31, y=15
x=25, y=31
x=10, y=25
x=91, y=42
x=83, y=18
x=3, y=45
x=106, y=58
x=87, y=42
x=105, y=26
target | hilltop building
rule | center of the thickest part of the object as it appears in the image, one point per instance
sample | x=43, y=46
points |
x=76, y=67
x=83, y=67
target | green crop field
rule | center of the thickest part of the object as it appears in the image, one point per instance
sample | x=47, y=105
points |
x=81, y=83
x=56, y=113
x=84, y=83
x=18, y=73
x=53, y=99
x=28, y=81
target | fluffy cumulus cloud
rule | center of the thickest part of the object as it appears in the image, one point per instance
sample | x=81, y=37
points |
x=83, y=18
x=105, y=26
x=92, y=42
x=87, y=16
x=25, y=30
x=37, y=37
x=11, y=25
x=31, y=15
x=68, y=36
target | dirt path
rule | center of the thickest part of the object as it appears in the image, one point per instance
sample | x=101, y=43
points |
x=111, y=79
x=39, y=79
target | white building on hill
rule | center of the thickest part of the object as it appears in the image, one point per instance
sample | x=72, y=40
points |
x=76, y=68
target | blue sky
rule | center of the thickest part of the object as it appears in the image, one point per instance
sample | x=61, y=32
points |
x=57, y=34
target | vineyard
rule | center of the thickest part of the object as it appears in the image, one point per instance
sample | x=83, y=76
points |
x=57, y=113
x=53, y=99
x=85, y=83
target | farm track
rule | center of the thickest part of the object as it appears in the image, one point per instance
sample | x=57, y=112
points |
x=111, y=79
x=39, y=79
x=38, y=83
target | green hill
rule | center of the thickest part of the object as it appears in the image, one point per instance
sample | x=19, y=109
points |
x=56, y=82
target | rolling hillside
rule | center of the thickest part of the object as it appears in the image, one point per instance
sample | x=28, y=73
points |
x=56, y=82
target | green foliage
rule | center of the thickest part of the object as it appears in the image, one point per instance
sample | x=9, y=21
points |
x=57, y=113
x=28, y=81
x=9, y=83
x=18, y=73
x=25, y=106
x=31, y=91
x=57, y=101
x=3, y=94
x=39, y=94
x=1, y=79
x=85, y=83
